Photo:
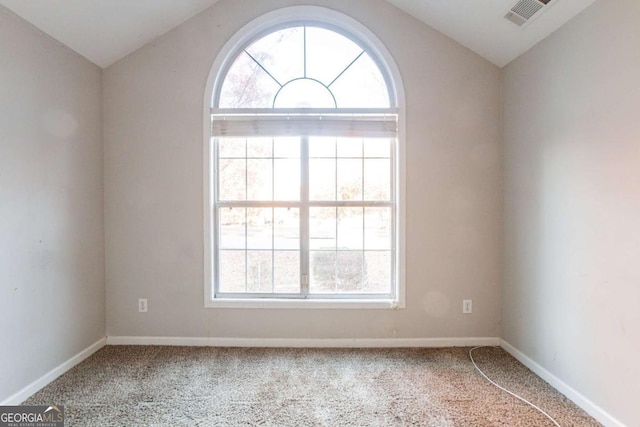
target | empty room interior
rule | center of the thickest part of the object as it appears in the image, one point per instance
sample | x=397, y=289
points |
x=321, y=212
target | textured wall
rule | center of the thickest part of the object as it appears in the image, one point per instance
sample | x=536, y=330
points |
x=153, y=116
x=572, y=203
x=52, y=301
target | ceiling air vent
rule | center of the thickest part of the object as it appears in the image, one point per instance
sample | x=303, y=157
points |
x=524, y=10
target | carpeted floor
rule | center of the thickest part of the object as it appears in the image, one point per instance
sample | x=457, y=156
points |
x=204, y=386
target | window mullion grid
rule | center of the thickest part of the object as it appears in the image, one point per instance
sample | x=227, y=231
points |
x=305, y=204
x=304, y=216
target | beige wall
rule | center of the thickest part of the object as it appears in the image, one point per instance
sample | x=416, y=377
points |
x=154, y=195
x=572, y=205
x=52, y=302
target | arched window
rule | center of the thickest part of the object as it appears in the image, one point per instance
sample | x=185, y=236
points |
x=304, y=66
x=303, y=176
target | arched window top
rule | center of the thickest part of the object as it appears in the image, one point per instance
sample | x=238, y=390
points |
x=304, y=66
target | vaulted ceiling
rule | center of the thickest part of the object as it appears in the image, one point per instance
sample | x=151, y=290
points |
x=104, y=31
x=480, y=24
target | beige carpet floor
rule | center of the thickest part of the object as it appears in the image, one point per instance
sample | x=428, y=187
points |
x=204, y=386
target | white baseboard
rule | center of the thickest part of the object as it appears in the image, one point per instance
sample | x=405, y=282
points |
x=306, y=343
x=579, y=399
x=35, y=386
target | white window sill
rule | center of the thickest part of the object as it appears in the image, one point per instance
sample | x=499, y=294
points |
x=389, y=304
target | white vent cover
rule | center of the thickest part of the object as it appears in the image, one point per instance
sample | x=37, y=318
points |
x=524, y=10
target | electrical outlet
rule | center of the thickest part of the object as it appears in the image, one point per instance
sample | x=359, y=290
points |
x=467, y=306
x=142, y=305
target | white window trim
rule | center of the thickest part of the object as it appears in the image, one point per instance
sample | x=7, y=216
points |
x=226, y=54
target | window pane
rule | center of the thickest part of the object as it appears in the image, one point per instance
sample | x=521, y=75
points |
x=259, y=228
x=378, y=272
x=286, y=271
x=286, y=147
x=322, y=147
x=259, y=271
x=287, y=179
x=232, y=176
x=322, y=228
x=246, y=85
x=286, y=228
x=349, y=179
x=231, y=147
x=349, y=147
x=304, y=93
x=349, y=271
x=232, y=271
x=350, y=228
x=281, y=53
x=328, y=54
x=377, y=231
x=322, y=179
x=362, y=85
x=232, y=229
x=259, y=179
x=377, y=147
x=377, y=179
x=322, y=272
x=260, y=147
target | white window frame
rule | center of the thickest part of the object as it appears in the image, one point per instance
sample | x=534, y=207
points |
x=270, y=22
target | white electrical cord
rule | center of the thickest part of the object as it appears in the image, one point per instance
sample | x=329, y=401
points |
x=507, y=391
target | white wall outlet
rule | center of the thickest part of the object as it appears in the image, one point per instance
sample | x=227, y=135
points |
x=467, y=306
x=142, y=305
